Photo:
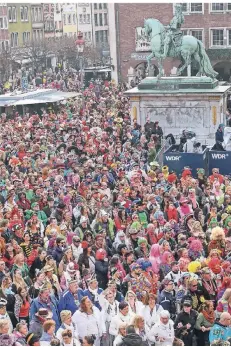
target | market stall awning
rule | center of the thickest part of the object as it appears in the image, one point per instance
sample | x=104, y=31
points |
x=39, y=96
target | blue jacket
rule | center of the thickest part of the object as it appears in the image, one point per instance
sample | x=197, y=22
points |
x=57, y=254
x=219, y=331
x=52, y=306
x=92, y=297
x=67, y=301
x=219, y=136
x=46, y=337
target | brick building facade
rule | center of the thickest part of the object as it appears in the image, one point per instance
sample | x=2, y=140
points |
x=209, y=22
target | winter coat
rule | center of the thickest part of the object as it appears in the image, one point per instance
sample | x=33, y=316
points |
x=86, y=322
x=165, y=331
x=117, y=320
x=93, y=298
x=133, y=340
x=51, y=306
x=101, y=271
x=167, y=301
x=67, y=301
x=57, y=254
x=219, y=332
x=36, y=326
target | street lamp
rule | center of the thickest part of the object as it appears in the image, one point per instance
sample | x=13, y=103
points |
x=80, y=48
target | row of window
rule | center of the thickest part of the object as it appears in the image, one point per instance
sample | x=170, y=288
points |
x=100, y=19
x=101, y=36
x=12, y=14
x=49, y=26
x=219, y=37
x=198, y=7
x=100, y=6
x=87, y=36
x=84, y=19
x=69, y=19
x=14, y=39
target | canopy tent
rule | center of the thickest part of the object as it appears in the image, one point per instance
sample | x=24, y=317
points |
x=39, y=96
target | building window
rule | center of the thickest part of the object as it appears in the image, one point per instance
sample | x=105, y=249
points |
x=100, y=6
x=218, y=6
x=39, y=14
x=184, y=7
x=81, y=19
x=64, y=19
x=101, y=19
x=88, y=18
x=96, y=20
x=105, y=18
x=24, y=13
x=105, y=37
x=97, y=36
x=25, y=37
x=14, y=39
x=68, y=19
x=192, y=7
x=84, y=19
x=89, y=35
x=217, y=37
x=105, y=6
x=95, y=6
x=5, y=46
x=74, y=19
x=228, y=6
x=196, y=7
x=12, y=14
x=198, y=34
x=3, y=23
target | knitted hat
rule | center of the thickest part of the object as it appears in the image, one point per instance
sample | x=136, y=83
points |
x=142, y=240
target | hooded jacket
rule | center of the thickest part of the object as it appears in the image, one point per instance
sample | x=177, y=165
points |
x=133, y=340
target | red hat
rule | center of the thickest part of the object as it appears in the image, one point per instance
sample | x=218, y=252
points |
x=186, y=172
x=85, y=245
x=100, y=254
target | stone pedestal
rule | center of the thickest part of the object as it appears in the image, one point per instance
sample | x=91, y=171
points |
x=178, y=103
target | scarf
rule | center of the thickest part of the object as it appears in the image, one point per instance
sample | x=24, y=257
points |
x=209, y=316
x=94, y=293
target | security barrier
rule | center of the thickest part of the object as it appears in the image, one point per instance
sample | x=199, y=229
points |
x=176, y=160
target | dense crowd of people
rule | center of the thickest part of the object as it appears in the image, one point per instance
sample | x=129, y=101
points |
x=99, y=244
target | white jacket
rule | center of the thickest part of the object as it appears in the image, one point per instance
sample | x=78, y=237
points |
x=76, y=251
x=139, y=308
x=151, y=319
x=89, y=324
x=118, y=340
x=117, y=320
x=161, y=330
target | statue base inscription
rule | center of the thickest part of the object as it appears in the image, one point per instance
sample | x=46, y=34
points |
x=176, y=83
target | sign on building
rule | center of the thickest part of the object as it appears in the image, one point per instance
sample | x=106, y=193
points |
x=142, y=41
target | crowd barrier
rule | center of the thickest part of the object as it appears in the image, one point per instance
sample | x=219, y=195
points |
x=176, y=161
x=220, y=160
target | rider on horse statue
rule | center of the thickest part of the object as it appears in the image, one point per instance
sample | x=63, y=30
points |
x=173, y=33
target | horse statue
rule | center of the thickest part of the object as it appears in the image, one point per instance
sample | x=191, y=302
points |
x=163, y=46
